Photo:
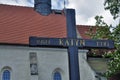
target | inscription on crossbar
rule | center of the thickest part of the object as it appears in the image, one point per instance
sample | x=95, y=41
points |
x=65, y=42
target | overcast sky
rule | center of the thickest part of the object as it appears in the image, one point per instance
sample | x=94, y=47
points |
x=86, y=10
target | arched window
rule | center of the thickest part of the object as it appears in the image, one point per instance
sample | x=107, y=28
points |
x=57, y=76
x=6, y=75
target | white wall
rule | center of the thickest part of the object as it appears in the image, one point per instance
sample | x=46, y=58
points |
x=17, y=59
x=86, y=73
x=49, y=60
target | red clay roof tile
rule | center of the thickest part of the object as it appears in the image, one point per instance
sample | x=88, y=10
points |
x=83, y=29
x=17, y=24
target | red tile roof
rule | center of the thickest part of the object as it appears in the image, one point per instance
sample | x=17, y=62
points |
x=83, y=30
x=17, y=24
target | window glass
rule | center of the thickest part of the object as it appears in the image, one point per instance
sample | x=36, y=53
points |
x=6, y=75
x=57, y=76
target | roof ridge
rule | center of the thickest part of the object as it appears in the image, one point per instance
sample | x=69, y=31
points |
x=13, y=5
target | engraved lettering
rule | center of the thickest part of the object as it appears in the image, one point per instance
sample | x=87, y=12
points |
x=61, y=42
x=76, y=42
x=104, y=44
x=67, y=43
x=72, y=43
x=82, y=42
x=43, y=42
x=97, y=43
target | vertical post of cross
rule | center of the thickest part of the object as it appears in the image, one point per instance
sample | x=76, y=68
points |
x=72, y=50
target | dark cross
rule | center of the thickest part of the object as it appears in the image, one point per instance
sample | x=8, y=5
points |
x=72, y=43
x=72, y=50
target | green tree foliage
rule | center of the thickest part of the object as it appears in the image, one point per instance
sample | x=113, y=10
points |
x=116, y=34
x=113, y=6
x=114, y=64
x=103, y=31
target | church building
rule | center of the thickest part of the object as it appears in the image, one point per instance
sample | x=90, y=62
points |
x=20, y=61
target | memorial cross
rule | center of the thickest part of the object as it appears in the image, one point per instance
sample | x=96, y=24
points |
x=72, y=43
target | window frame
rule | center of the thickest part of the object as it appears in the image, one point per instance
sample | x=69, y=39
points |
x=4, y=69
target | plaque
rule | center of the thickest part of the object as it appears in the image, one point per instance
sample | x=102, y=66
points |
x=33, y=63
